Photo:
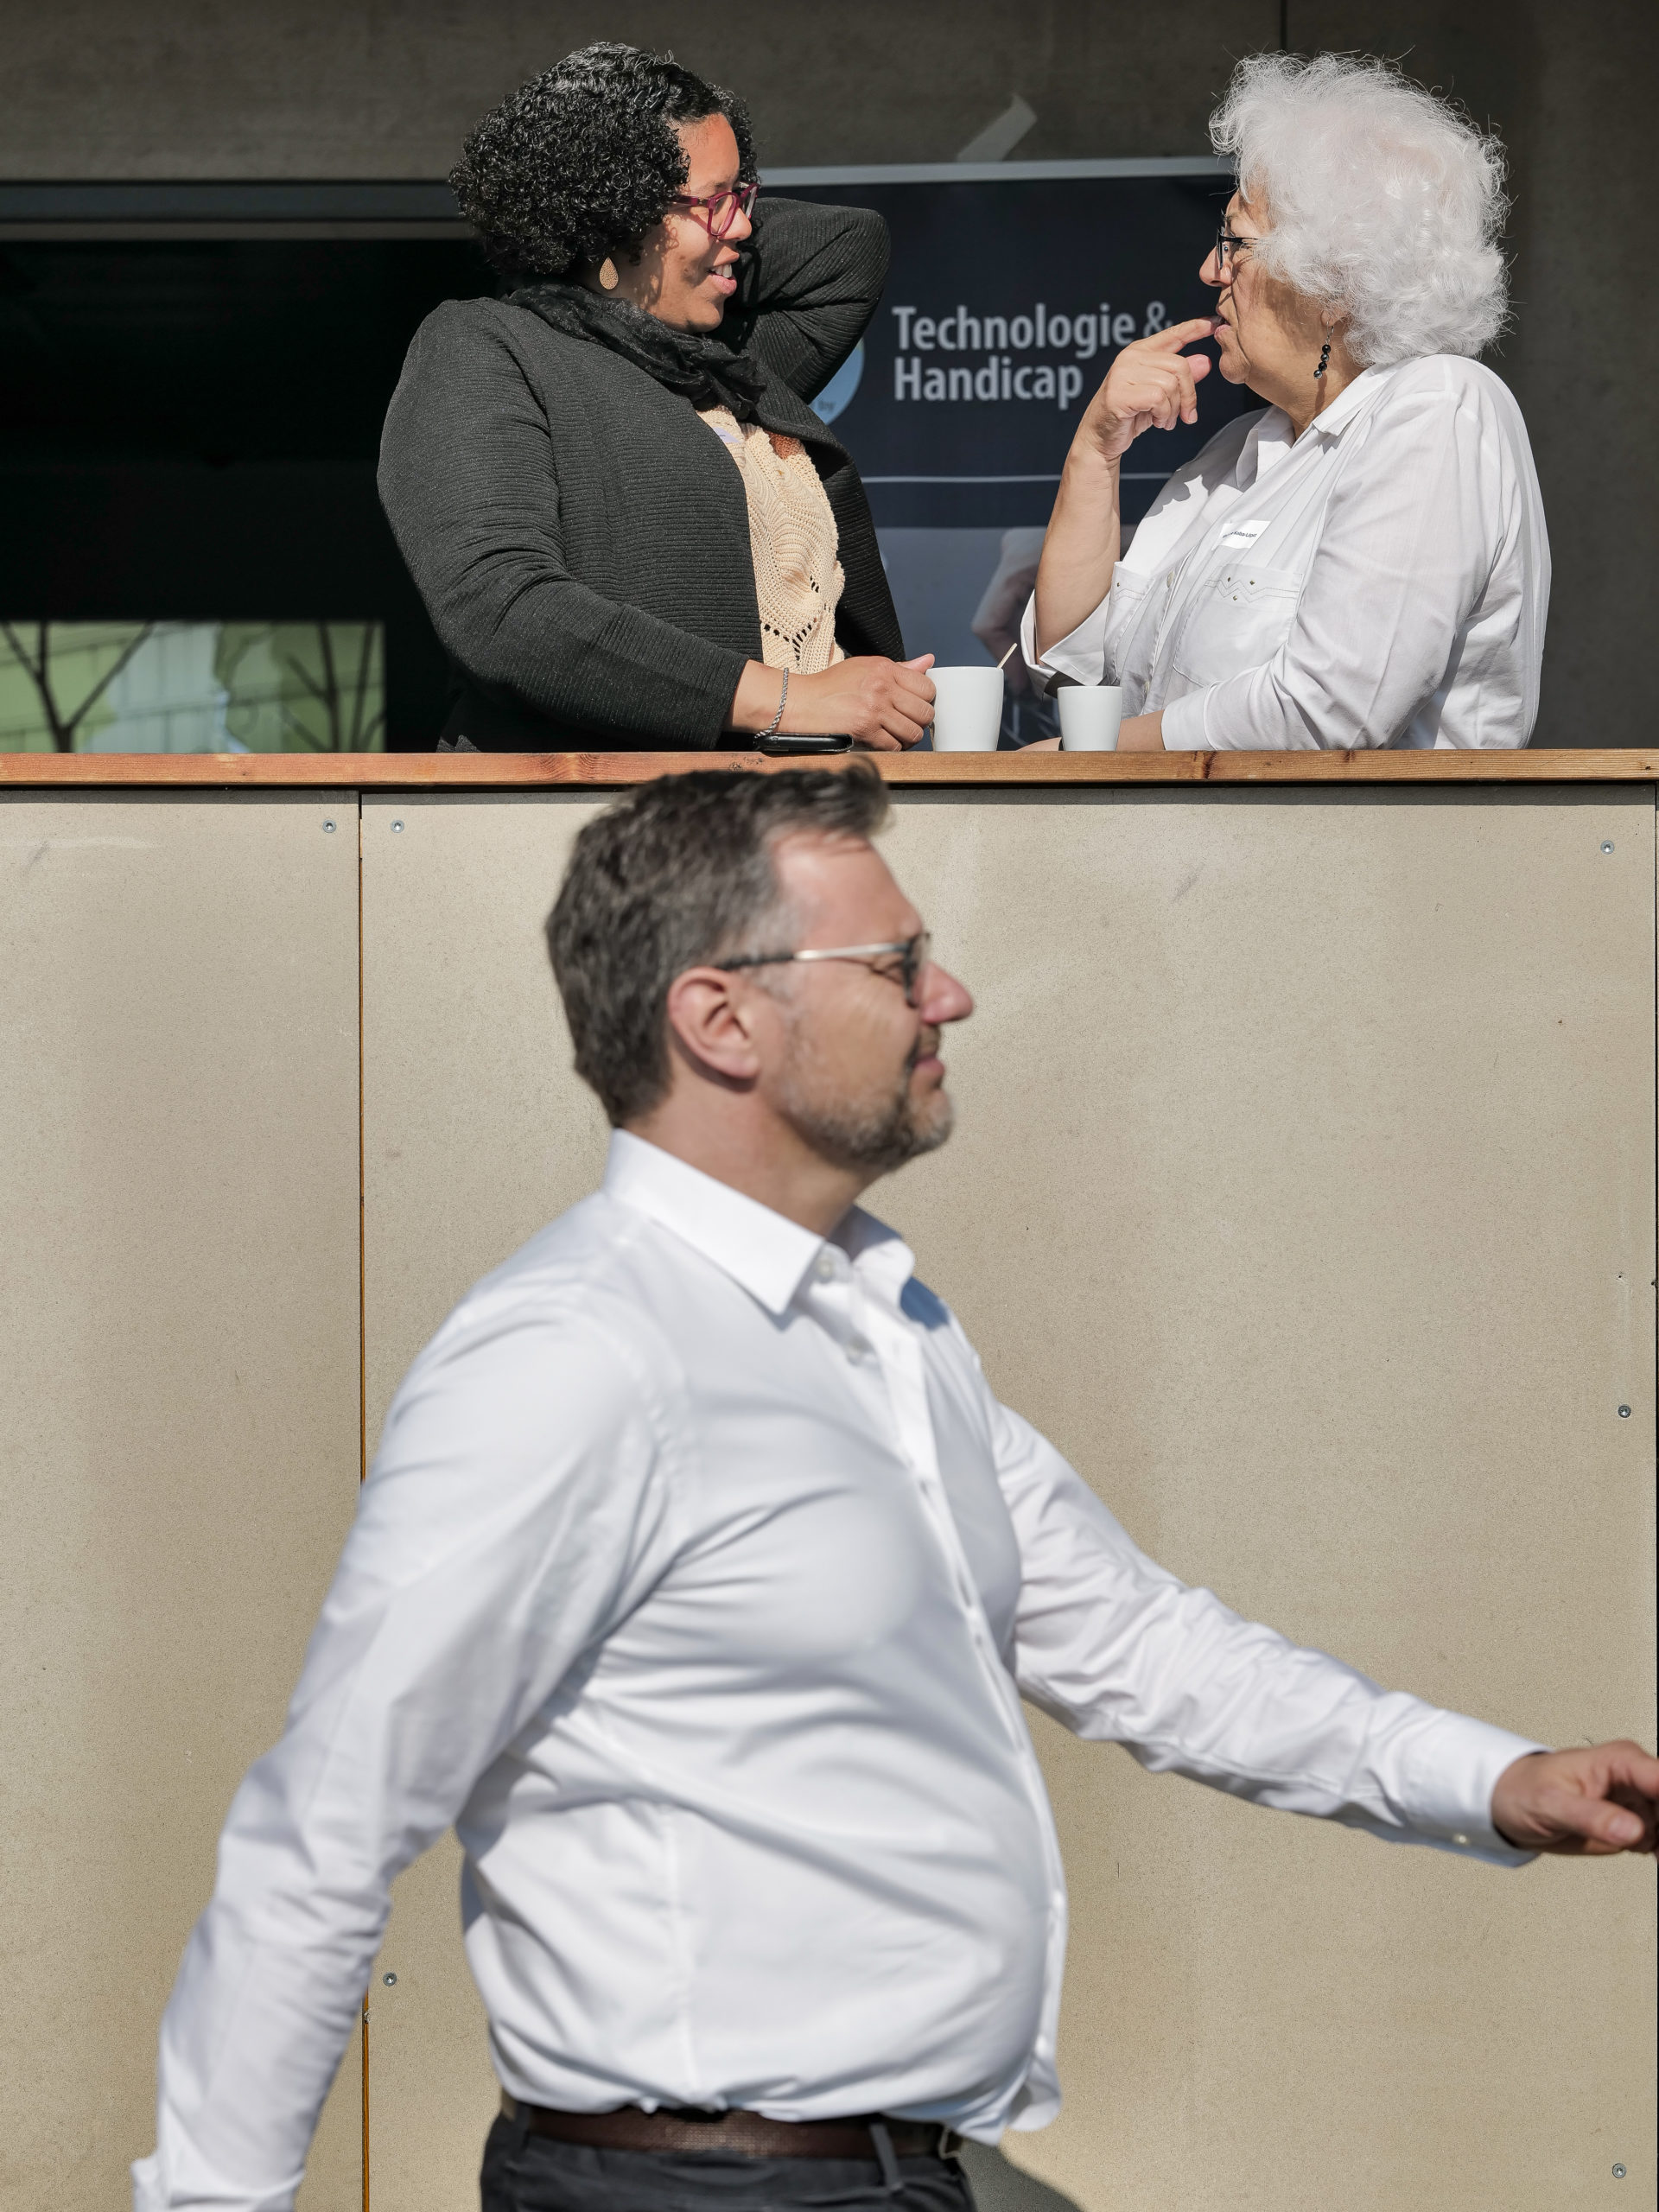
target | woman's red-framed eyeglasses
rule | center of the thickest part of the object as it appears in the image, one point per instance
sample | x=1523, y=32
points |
x=718, y=210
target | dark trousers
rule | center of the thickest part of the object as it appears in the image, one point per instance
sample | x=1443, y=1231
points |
x=531, y=2173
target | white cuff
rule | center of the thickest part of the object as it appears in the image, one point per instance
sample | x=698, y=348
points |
x=1184, y=724
x=1080, y=655
x=1450, y=1779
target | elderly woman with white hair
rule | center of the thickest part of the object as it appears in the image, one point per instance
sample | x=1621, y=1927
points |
x=1364, y=561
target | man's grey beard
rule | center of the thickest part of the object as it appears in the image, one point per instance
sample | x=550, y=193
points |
x=874, y=1135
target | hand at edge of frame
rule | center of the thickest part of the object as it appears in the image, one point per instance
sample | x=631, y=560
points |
x=1588, y=1803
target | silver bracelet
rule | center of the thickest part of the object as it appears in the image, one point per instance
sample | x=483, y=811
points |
x=782, y=703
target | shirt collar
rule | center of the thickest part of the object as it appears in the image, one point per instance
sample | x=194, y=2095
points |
x=1269, y=442
x=1331, y=421
x=879, y=1257
x=769, y=1256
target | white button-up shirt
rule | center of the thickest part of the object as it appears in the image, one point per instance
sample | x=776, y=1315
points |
x=1382, y=579
x=696, y=1582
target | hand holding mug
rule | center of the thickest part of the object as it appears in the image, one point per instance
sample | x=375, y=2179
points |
x=885, y=705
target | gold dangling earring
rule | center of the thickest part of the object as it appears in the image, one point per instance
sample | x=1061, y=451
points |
x=609, y=280
x=1325, y=355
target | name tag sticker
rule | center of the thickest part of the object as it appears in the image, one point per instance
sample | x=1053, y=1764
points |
x=1240, y=534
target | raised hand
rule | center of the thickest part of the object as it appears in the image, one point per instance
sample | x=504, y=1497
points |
x=1152, y=385
x=1588, y=1803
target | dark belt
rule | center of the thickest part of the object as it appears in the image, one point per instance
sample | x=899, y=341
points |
x=746, y=2134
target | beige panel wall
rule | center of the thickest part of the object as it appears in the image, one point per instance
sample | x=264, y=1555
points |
x=475, y=1133
x=1304, y=1192
x=179, y=1412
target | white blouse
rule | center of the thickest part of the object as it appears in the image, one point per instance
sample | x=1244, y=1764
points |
x=1382, y=579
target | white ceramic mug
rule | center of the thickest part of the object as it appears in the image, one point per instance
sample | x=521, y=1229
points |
x=967, y=708
x=1089, y=715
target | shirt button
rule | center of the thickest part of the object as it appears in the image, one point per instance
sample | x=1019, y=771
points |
x=857, y=1348
x=823, y=1266
x=1462, y=1842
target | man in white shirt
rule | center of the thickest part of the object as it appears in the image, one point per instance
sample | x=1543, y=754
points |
x=698, y=1582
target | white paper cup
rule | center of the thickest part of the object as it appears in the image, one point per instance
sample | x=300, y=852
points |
x=1089, y=715
x=967, y=708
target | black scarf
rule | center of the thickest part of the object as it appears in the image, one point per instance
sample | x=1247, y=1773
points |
x=700, y=369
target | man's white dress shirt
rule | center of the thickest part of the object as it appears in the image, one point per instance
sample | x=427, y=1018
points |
x=1382, y=579
x=696, y=1582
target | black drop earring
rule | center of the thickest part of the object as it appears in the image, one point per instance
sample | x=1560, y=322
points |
x=1325, y=355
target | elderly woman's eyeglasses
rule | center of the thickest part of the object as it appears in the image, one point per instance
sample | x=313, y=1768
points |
x=718, y=210
x=1226, y=244
x=910, y=954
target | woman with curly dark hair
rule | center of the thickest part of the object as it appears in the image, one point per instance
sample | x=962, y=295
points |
x=628, y=525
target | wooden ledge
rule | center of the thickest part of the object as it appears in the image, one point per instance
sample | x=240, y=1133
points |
x=405, y=771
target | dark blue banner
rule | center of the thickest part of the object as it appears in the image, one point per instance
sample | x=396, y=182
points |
x=1011, y=290
x=1006, y=304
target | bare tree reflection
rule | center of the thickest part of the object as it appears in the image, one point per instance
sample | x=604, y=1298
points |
x=38, y=667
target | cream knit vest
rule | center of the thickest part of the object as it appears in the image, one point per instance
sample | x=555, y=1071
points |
x=792, y=539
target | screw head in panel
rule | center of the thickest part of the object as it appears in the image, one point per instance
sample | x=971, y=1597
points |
x=1618, y=2173
x=395, y=827
x=1624, y=1413
x=329, y=826
x=389, y=1979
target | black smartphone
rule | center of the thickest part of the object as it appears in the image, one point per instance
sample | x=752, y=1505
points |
x=776, y=745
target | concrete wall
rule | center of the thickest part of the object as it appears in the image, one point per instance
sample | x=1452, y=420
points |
x=359, y=88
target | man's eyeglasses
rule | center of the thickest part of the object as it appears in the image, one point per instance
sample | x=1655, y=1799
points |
x=911, y=954
x=1226, y=244
x=718, y=210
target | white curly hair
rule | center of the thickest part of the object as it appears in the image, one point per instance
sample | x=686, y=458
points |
x=1382, y=201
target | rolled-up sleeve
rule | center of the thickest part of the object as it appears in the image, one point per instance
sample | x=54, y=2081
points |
x=1081, y=654
x=515, y=1510
x=1117, y=1648
x=1407, y=551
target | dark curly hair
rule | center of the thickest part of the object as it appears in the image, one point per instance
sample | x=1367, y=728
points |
x=581, y=163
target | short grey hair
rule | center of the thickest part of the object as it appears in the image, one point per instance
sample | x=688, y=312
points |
x=1383, y=202
x=679, y=874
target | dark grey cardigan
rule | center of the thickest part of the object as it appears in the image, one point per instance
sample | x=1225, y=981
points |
x=581, y=540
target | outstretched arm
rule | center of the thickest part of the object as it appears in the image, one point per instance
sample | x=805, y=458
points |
x=1117, y=1649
